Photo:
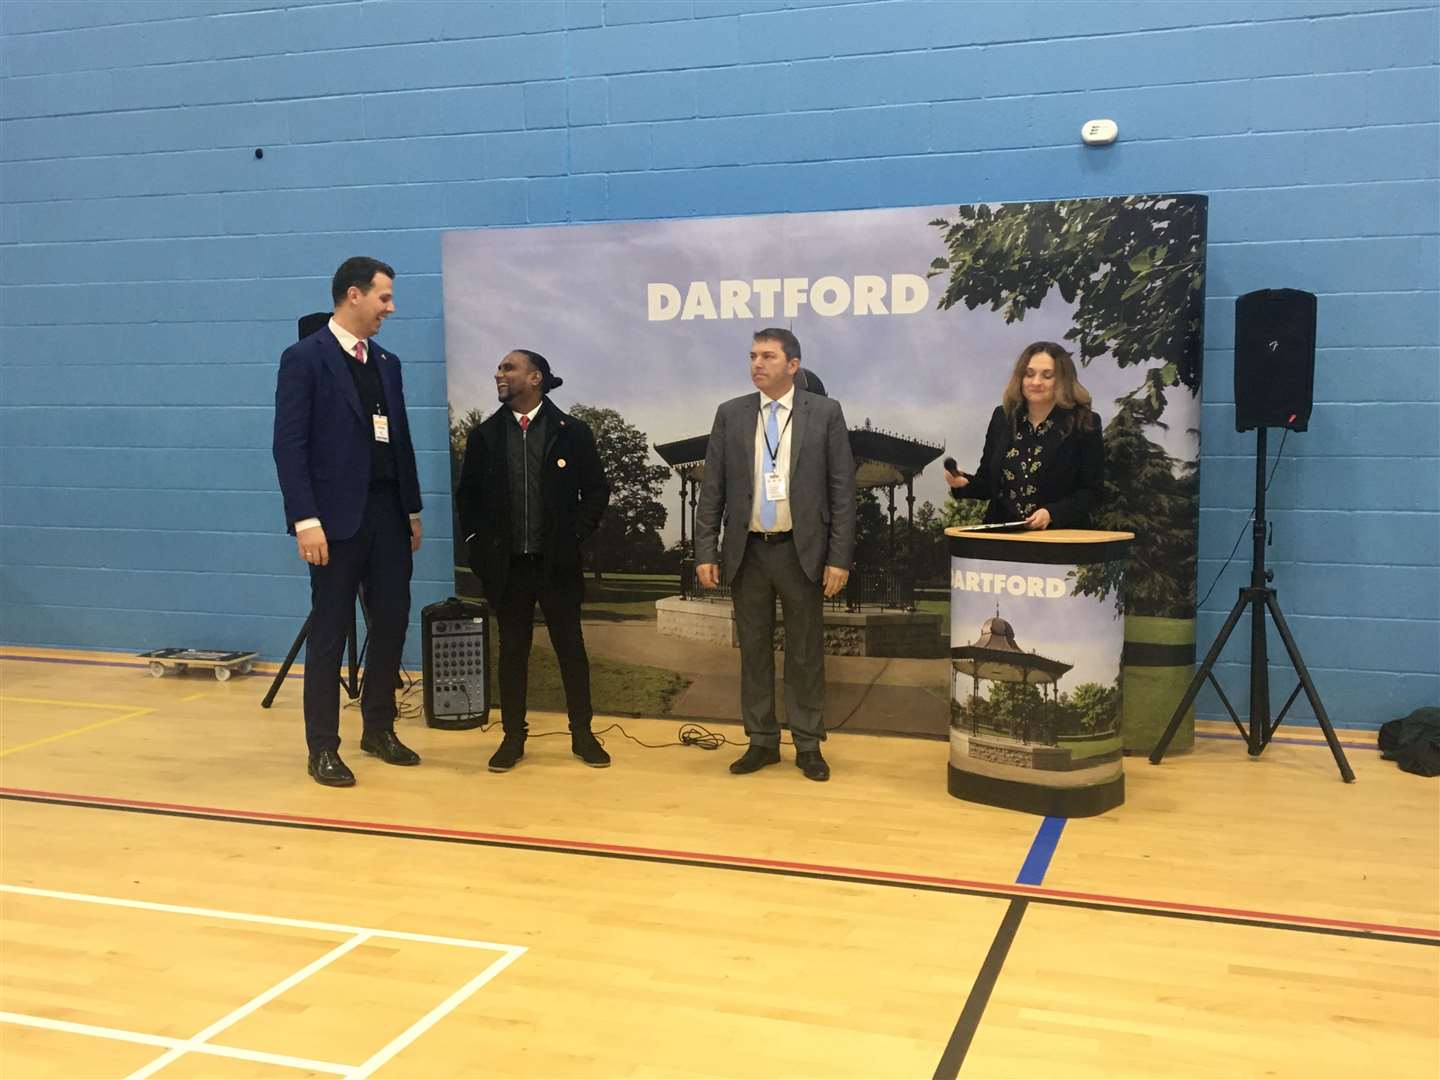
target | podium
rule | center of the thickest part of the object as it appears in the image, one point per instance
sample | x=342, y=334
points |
x=1037, y=635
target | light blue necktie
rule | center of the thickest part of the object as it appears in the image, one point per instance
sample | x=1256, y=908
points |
x=772, y=433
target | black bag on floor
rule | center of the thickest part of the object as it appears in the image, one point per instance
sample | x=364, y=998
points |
x=1413, y=742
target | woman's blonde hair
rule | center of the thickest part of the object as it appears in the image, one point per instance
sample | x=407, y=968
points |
x=1069, y=392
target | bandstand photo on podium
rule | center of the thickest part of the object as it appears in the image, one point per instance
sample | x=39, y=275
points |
x=1025, y=615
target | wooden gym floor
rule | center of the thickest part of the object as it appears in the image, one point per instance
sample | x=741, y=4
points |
x=180, y=900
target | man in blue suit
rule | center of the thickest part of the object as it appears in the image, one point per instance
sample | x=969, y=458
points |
x=352, y=500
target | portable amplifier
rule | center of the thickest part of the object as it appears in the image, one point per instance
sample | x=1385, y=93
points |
x=455, y=657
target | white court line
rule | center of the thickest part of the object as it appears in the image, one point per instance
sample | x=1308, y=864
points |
x=272, y=920
x=119, y=1035
x=195, y=1044
x=434, y=1016
x=195, y=1041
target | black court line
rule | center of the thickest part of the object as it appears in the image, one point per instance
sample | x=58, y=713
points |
x=1397, y=935
x=1032, y=872
x=980, y=991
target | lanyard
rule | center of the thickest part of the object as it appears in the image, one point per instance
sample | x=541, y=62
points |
x=765, y=434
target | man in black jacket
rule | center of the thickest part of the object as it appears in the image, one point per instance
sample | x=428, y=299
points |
x=532, y=490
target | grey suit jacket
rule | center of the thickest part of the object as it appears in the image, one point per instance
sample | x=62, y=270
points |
x=821, y=483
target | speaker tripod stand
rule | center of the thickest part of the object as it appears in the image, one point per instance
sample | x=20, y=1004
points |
x=1261, y=599
x=349, y=678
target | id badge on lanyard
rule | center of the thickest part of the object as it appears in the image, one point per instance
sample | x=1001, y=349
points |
x=382, y=427
x=775, y=485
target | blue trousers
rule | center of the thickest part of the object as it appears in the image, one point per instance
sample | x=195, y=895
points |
x=378, y=558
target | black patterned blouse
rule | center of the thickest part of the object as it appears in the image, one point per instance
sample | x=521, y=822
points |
x=1023, y=462
x=1024, y=468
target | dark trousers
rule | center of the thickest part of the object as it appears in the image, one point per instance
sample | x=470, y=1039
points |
x=528, y=584
x=766, y=572
x=377, y=557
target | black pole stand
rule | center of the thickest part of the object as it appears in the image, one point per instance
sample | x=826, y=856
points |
x=1259, y=598
x=349, y=679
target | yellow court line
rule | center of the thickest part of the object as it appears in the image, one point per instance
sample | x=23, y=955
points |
x=58, y=701
x=192, y=697
x=74, y=731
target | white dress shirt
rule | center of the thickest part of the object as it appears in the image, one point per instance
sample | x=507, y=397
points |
x=783, y=418
x=347, y=340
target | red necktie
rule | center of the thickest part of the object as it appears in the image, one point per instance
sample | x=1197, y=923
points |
x=524, y=424
x=360, y=351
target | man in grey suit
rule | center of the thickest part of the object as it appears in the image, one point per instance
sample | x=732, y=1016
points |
x=780, y=476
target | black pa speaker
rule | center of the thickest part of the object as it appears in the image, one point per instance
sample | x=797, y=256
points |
x=312, y=322
x=1274, y=359
x=455, y=663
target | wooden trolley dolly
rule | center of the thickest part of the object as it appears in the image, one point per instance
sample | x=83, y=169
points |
x=224, y=664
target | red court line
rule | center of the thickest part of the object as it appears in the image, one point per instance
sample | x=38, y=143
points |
x=262, y=667
x=716, y=859
x=1225, y=737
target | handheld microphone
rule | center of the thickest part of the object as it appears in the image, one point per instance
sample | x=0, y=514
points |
x=950, y=465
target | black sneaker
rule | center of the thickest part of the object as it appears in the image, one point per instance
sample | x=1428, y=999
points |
x=588, y=749
x=512, y=749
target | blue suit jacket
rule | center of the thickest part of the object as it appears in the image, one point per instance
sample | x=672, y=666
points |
x=322, y=435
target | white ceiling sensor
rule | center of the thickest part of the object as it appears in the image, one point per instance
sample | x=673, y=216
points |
x=1099, y=132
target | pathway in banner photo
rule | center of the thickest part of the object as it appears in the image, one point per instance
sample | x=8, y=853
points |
x=640, y=671
x=178, y=889
x=866, y=693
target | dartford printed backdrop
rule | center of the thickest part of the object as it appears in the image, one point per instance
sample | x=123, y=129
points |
x=912, y=317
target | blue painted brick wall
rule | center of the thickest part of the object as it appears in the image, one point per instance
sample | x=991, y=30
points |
x=151, y=269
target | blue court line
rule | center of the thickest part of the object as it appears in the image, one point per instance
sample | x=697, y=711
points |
x=1042, y=848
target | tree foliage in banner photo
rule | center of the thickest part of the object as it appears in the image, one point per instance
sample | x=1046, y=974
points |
x=1134, y=270
x=629, y=533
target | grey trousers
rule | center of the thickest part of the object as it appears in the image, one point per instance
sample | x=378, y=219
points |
x=768, y=571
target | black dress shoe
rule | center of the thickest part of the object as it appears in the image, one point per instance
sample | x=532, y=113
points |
x=388, y=748
x=327, y=768
x=587, y=748
x=512, y=749
x=757, y=757
x=812, y=765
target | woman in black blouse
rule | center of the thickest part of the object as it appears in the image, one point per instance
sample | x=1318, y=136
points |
x=1044, y=460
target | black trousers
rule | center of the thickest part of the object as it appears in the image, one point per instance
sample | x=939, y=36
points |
x=378, y=557
x=529, y=584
